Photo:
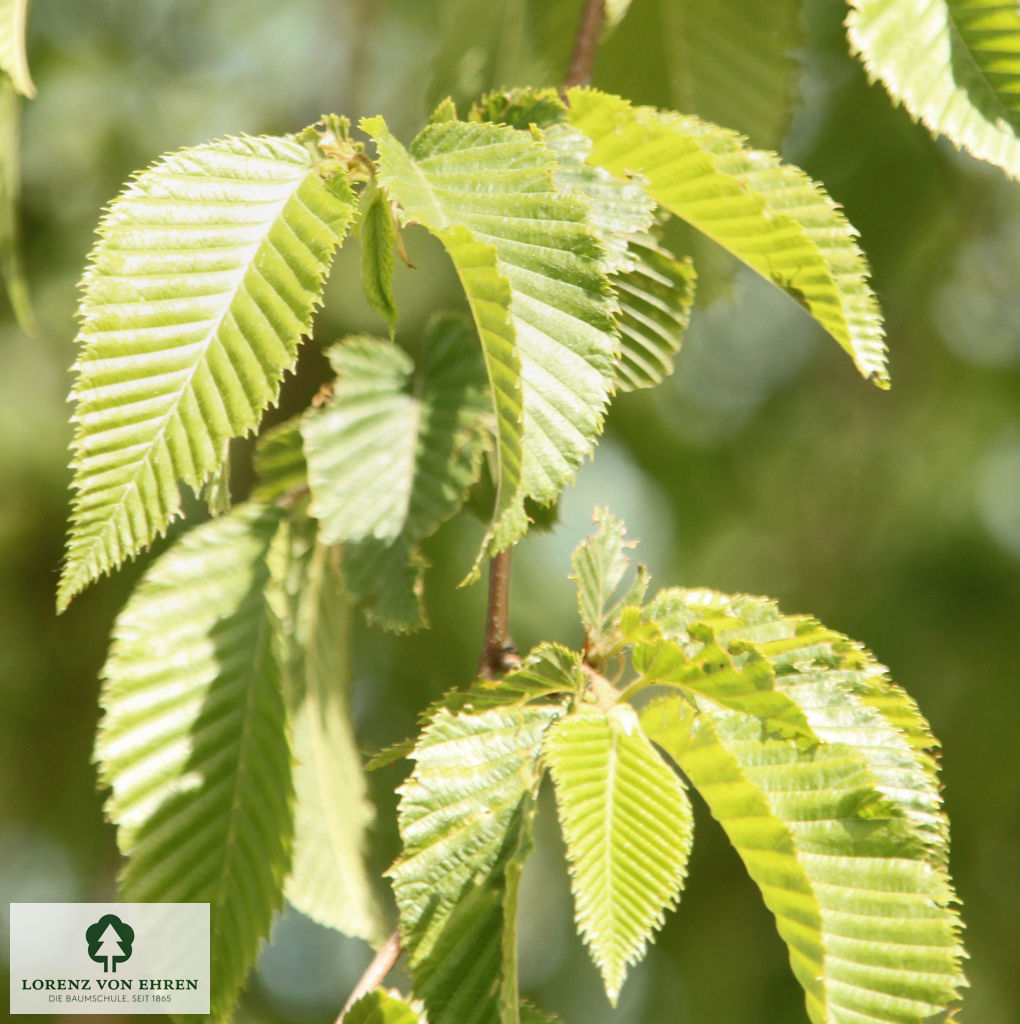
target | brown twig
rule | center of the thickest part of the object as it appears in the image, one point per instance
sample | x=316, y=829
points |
x=586, y=45
x=374, y=974
x=498, y=652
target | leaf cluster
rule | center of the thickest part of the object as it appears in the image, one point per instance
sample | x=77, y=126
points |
x=816, y=765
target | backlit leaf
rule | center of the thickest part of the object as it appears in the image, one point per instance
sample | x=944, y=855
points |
x=768, y=214
x=193, y=743
x=953, y=64
x=464, y=820
x=328, y=880
x=627, y=824
x=199, y=289
x=489, y=185
x=865, y=914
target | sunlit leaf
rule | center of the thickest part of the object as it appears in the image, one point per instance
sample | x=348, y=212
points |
x=628, y=826
x=600, y=564
x=656, y=296
x=953, y=64
x=329, y=880
x=199, y=289
x=865, y=913
x=768, y=214
x=13, y=61
x=843, y=693
x=488, y=185
x=193, y=743
x=464, y=820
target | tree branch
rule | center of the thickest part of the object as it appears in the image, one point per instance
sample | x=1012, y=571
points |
x=499, y=655
x=586, y=44
x=374, y=974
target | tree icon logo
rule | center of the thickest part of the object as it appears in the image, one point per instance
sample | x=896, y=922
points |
x=109, y=942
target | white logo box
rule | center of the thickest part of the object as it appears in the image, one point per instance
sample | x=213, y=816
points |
x=109, y=958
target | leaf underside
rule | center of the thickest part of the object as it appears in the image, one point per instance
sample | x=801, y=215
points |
x=329, y=880
x=464, y=837
x=768, y=214
x=628, y=828
x=193, y=743
x=953, y=64
x=846, y=838
x=204, y=278
x=392, y=456
x=379, y=1007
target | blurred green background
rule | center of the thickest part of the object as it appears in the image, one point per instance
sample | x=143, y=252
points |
x=764, y=465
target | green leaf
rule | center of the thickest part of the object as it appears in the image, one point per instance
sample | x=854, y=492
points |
x=866, y=915
x=768, y=214
x=378, y=237
x=488, y=294
x=731, y=68
x=491, y=185
x=280, y=463
x=953, y=64
x=379, y=1007
x=329, y=880
x=600, y=564
x=193, y=743
x=843, y=693
x=11, y=267
x=392, y=456
x=656, y=296
x=203, y=281
x=628, y=827
x=13, y=61
x=464, y=820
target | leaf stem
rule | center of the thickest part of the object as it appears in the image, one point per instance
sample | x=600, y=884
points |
x=374, y=974
x=499, y=654
x=586, y=44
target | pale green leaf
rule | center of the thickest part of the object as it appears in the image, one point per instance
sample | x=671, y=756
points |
x=843, y=693
x=866, y=915
x=280, y=463
x=12, y=270
x=768, y=214
x=13, y=61
x=379, y=1007
x=953, y=64
x=616, y=209
x=488, y=295
x=600, y=564
x=628, y=826
x=656, y=296
x=733, y=65
x=200, y=287
x=654, y=291
x=378, y=237
x=495, y=184
x=392, y=456
x=465, y=821
x=329, y=880
x=193, y=742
